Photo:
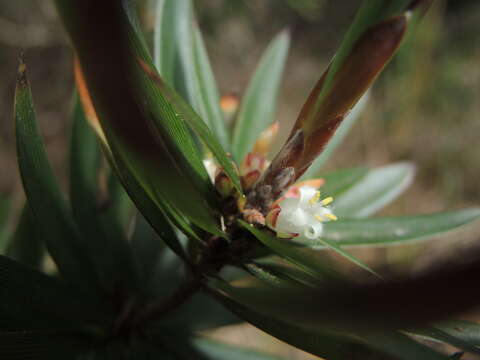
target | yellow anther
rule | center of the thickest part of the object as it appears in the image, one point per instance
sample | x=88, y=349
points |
x=327, y=201
x=319, y=218
x=314, y=198
x=331, y=217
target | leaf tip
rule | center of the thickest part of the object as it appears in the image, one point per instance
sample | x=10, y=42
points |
x=286, y=34
x=22, y=80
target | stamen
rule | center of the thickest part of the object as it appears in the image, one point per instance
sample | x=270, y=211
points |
x=314, y=198
x=327, y=201
x=319, y=218
x=331, y=217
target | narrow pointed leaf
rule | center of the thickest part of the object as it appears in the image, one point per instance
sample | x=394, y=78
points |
x=336, y=248
x=465, y=330
x=208, y=96
x=27, y=244
x=182, y=61
x=85, y=162
x=374, y=191
x=437, y=333
x=315, y=343
x=185, y=77
x=147, y=249
x=197, y=124
x=372, y=305
x=257, y=109
x=61, y=236
x=270, y=276
x=293, y=318
x=391, y=230
x=318, y=341
x=145, y=129
x=119, y=212
x=287, y=271
x=164, y=46
x=139, y=195
x=155, y=213
x=32, y=300
x=336, y=183
x=305, y=260
x=4, y=217
x=105, y=238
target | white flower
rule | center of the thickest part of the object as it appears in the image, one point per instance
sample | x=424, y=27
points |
x=303, y=215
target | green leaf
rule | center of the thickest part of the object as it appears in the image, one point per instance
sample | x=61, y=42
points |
x=85, y=162
x=338, y=137
x=40, y=345
x=182, y=61
x=140, y=123
x=58, y=229
x=32, y=300
x=288, y=272
x=198, y=125
x=208, y=96
x=335, y=247
x=27, y=244
x=197, y=198
x=315, y=342
x=157, y=214
x=132, y=10
x=4, y=217
x=257, y=109
x=185, y=78
x=306, y=260
x=270, y=276
x=374, y=191
x=184, y=110
x=391, y=230
x=199, y=314
x=436, y=332
x=104, y=237
x=336, y=183
x=215, y=350
x=465, y=330
x=120, y=210
x=147, y=246
x=164, y=45
x=299, y=308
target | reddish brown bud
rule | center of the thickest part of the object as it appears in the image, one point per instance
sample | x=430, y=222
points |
x=264, y=142
x=253, y=216
x=229, y=104
x=224, y=185
x=323, y=113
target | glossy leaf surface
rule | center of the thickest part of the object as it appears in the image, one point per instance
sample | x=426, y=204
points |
x=391, y=230
x=62, y=238
x=374, y=191
x=257, y=109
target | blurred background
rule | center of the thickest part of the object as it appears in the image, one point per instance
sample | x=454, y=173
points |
x=423, y=109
